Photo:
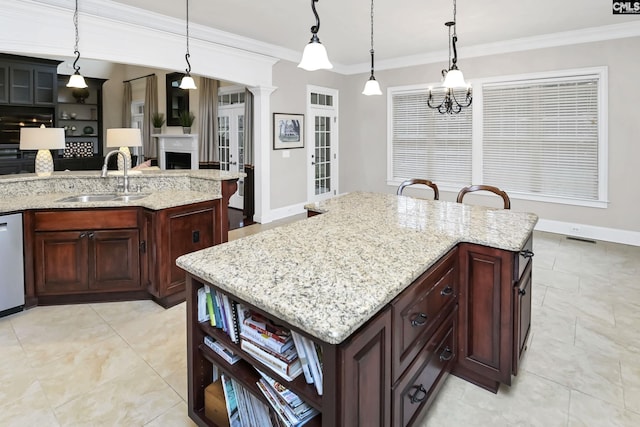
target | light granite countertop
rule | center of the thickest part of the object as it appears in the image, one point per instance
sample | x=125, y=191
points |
x=165, y=189
x=329, y=274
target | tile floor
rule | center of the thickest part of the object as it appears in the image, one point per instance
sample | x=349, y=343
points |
x=124, y=364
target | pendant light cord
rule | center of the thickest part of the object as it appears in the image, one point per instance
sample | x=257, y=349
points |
x=371, y=38
x=76, y=51
x=187, y=56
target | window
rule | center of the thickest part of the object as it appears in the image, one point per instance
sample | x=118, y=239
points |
x=427, y=144
x=538, y=137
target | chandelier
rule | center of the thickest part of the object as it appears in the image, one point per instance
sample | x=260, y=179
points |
x=452, y=78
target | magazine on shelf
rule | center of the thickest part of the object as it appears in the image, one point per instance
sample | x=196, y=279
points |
x=264, y=339
x=287, y=356
x=212, y=318
x=303, y=357
x=203, y=314
x=230, y=399
x=288, y=371
x=314, y=362
x=222, y=350
x=283, y=410
x=297, y=405
x=267, y=327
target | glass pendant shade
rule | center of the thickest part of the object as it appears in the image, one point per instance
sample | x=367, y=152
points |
x=76, y=80
x=372, y=87
x=454, y=79
x=187, y=83
x=315, y=57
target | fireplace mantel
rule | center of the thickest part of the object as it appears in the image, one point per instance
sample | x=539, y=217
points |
x=177, y=143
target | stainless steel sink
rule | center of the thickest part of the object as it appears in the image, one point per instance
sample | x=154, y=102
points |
x=88, y=198
x=129, y=197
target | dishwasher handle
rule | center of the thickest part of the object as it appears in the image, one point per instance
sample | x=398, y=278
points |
x=3, y=226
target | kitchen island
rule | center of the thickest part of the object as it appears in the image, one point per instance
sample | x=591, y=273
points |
x=396, y=291
x=119, y=248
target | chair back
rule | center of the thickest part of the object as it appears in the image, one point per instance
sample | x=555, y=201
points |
x=496, y=190
x=418, y=181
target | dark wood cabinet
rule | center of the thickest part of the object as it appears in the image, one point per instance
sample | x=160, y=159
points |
x=4, y=84
x=28, y=81
x=114, y=260
x=168, y=234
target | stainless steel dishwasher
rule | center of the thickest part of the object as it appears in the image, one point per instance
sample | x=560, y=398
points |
x=11, y=264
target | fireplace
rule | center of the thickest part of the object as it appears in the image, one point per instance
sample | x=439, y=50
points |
x=178, y=151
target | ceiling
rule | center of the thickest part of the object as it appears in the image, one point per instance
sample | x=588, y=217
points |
x=402, y=27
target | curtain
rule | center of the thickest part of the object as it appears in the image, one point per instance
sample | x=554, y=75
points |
x=248, y=127
x=149, y=148
x=126, y=105
x=208, y=119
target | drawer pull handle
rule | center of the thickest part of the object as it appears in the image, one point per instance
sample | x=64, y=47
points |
x=446, y=291
x=526, y=253
x=446, y=355
x=91, y=235
x=419, y=320
x=522, y=292
x=419, y=395
x=82, y=235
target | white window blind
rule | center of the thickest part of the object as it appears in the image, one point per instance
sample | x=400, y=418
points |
x=427, y=144
x=541, y=137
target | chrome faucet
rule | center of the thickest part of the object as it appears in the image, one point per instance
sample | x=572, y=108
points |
x=125, y=183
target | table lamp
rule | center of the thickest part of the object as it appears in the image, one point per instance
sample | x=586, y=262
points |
x=42, y=139
x=124, y=138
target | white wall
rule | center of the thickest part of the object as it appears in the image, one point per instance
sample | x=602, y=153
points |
x=363, y=140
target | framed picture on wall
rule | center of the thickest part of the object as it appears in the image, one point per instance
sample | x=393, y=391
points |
x=288, y=131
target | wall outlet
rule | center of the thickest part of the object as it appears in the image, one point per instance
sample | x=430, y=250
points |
x=196, y=236
x=575, y=229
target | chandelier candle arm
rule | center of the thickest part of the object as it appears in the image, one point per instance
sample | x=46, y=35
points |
x=314, y=56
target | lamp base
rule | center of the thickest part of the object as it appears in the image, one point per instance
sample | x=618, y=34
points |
x=44, y=162
x=127, y=154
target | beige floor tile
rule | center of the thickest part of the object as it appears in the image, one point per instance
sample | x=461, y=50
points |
x=65, y=379
x=590, y=372
x=178, y=381
x=630, y=369
x=548, y=323
x=127, y=311
x=614, y=340
x=587, y=411
x=132, y=399
x=556, y=279
x=31, y=409
x=176, y=416
x=580, y=306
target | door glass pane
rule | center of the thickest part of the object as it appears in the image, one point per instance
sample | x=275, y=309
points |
x=322, y=180
x=223, y=142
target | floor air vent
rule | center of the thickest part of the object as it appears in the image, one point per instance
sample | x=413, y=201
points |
x=580, y=239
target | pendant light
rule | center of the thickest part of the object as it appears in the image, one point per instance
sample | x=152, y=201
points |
x=372, y=87
x=314, y=56
x=187, y=81
x=453, y=77
x=76, y=80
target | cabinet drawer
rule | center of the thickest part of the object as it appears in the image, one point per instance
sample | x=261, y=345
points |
x=419, y=310
x=522, y=258
x=420, y=384
x=85, y=219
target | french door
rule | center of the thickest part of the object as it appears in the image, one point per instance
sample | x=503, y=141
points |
x=231, y=146
x=322, y=149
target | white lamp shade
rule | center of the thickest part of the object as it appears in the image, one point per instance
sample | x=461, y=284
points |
x=187, y=83
x=76, y=80
x=124, y=137
x=372, y=87
x=41, y=138
x=454, y=79
x=314, y=57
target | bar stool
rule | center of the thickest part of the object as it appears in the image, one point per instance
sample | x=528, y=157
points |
x=418, y=181
x=496, y=190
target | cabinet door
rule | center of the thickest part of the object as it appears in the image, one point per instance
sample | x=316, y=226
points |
x=366, y=374
x=115, y=260
x=61, y=262
x=148, y=255
x=485, y=331
x=21, y=85
x=522, y=315
x=4, y=84
x=45, y=86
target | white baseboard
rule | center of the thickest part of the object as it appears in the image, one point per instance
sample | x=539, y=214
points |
x=592, y=232
x=284, y=212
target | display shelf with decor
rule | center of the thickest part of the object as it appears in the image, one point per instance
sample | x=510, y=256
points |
x=79, y=112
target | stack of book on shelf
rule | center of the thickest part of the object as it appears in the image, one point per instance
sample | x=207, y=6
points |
x=222, y=350
x=243, y=408
x=290, y=409
x=221, y=312
x=310, y=356
x=270, y=344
